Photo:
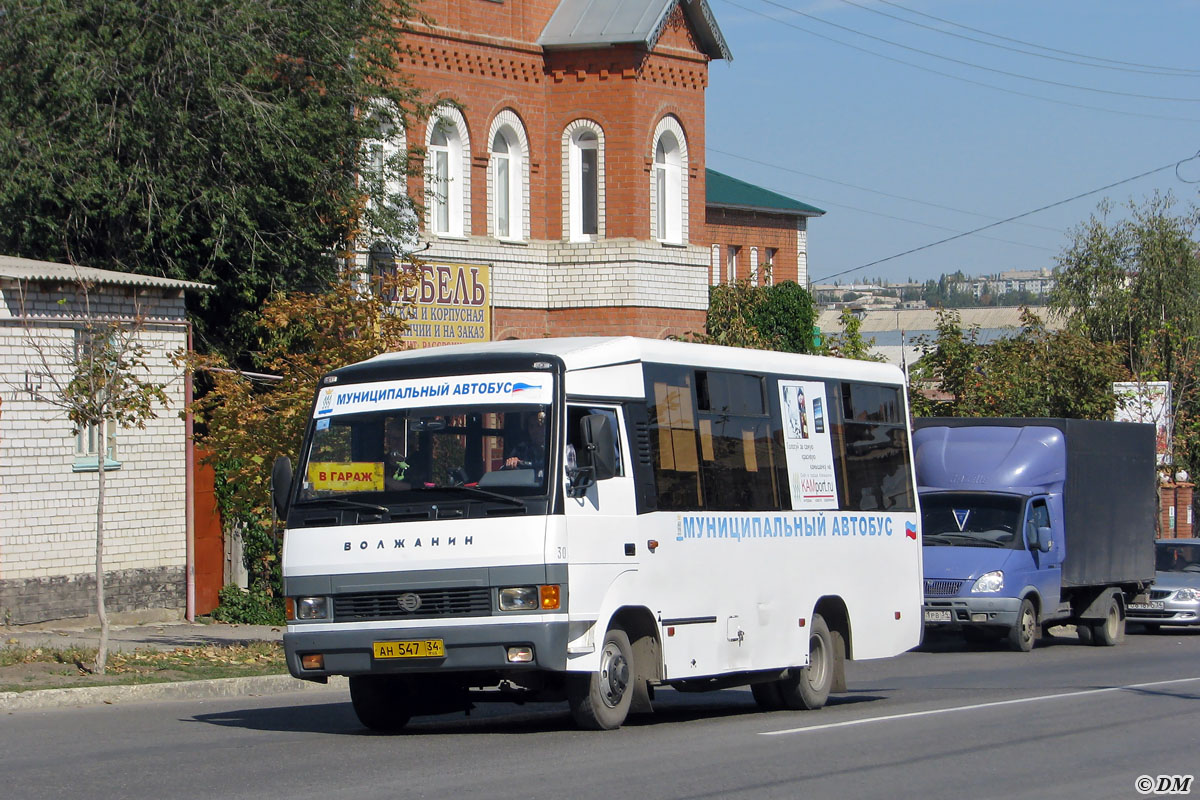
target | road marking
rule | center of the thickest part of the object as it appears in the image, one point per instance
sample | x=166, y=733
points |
x=977, y=706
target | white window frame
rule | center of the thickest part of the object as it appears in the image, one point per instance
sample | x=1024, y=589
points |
x=668, y=183
x=508, y=127
x=581, y=137
x=447, y=173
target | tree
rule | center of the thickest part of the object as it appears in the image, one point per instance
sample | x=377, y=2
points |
x=850, y=342
x=1036, y=373
x=776, y=317
x=210, y=140
x=1133, y=283
x=97, y=379
x=248, y=422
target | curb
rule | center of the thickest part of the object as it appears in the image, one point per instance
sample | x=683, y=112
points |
x=148, y=692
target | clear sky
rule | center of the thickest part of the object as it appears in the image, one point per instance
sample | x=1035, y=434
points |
x=912, y=121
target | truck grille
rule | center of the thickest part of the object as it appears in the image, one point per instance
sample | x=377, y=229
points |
x=475, y=601
x=942, y=588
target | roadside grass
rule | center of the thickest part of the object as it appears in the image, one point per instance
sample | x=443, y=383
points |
x=27, y=668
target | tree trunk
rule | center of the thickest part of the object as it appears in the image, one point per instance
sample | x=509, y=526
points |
x=101, y=458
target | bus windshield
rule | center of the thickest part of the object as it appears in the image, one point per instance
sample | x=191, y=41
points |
x=376, y=456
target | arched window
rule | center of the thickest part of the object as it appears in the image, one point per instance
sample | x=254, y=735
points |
x=585, y=180
x=447, y=181
x=668, y=185
x=508, y=176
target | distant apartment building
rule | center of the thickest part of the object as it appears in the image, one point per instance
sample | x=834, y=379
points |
x=1037, y=282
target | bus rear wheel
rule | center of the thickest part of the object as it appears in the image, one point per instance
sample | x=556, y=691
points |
x=600, y=700
x=807, y=689
x=381, y=702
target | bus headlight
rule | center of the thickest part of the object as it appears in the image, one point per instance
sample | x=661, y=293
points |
x=989, y=582
x=519, y=598
x=312, y=608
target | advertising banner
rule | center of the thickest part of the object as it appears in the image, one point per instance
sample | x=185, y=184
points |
x=1150, y=402
x=451, y=304
x=808, y=445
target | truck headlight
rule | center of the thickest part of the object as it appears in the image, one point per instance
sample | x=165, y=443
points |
x=989, y=582
x=1187, y=595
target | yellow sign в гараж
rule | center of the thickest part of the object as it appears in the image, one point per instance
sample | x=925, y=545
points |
x=353, y=476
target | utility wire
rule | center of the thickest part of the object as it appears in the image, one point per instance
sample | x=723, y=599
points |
x=958, y=77
x=782, y=168
x=1182, y=71
x=979, y=66
x=1172, y=165
x=1147, y=71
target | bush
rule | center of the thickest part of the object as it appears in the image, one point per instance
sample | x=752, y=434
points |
x=248, y=608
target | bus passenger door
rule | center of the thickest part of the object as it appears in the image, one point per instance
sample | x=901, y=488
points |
x=602, y=526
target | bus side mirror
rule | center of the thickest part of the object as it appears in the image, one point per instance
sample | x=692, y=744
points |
x=596, y=460
x=281, y=485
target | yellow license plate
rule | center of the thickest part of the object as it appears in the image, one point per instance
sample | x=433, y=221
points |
x=424, y=648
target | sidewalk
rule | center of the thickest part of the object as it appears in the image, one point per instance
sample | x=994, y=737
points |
x=131, y=633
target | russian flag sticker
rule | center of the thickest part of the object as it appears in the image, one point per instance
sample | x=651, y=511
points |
x=910, y=530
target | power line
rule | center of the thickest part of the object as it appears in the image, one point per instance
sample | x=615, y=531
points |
x=1182, y=71
x=958, y=77
x=979, y=66
x=1146, y=71
x=780, y=167
x=1172, y=165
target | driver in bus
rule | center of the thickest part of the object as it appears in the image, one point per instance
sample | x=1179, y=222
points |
x=530, y=449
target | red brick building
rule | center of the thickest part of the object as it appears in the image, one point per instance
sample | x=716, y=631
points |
x=566, y=153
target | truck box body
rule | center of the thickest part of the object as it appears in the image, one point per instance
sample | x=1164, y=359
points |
x=1105, y=471
x=990, y=488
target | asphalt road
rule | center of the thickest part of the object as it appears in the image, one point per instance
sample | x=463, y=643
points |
x=946, y=721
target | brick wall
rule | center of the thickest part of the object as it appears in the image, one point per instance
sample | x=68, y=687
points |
x=48, y=497
x=748, y=229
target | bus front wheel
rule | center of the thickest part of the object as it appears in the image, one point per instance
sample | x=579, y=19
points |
x=381, y=702
x=600, y=700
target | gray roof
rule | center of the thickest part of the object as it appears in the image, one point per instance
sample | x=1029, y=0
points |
x=27, y=269
x=594, y=23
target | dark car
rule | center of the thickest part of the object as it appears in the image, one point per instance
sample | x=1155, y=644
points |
x=1175, y=596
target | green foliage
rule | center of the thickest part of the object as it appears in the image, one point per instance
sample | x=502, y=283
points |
x=778, y=317
x=209, y=140
x=1133, y=284
x=850, y=342
x=1037, y=373
x=248, y=607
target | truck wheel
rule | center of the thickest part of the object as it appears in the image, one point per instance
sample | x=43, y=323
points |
x=1023, y=633
x=381, y=702
x=1110, y=630
x=807, y=689
x=600, y=700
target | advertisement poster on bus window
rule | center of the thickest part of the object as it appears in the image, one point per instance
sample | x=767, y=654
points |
x=808, y=445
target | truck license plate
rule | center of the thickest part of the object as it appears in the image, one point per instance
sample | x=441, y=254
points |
x=937, y=615
x=424, y=648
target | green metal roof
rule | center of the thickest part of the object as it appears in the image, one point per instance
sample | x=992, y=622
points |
x=723, y=191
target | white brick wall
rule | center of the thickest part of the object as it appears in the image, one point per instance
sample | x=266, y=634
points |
x=47, y=508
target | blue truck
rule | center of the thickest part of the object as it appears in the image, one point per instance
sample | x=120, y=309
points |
x=1028, y=523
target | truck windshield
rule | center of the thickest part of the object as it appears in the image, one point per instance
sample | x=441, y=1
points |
x=971, y=520
x=398, y=455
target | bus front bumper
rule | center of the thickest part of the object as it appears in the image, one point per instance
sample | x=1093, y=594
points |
x=467, y=648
